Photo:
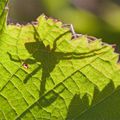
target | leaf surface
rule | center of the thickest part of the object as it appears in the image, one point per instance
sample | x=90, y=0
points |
x=47, y=75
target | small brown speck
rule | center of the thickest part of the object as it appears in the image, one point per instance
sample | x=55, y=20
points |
x=25, y=65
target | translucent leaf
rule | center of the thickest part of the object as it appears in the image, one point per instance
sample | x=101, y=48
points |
x=47, y=75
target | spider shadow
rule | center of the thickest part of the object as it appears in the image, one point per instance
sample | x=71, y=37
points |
x=47, y=58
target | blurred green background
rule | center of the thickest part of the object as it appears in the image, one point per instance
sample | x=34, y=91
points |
x=100, y=18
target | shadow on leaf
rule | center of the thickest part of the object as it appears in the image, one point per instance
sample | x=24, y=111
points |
x=104, y=105
x=48, y=58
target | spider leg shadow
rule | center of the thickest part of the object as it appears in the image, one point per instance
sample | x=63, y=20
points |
x=13, y=59
x=43, y=82
x=32, y=73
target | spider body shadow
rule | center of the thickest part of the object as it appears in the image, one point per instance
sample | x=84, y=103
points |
x=47, y=58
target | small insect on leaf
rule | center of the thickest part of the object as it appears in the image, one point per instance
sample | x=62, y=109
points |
x=25, y=65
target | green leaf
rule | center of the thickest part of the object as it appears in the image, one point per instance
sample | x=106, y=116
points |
x=47, y=75
x=3, y=13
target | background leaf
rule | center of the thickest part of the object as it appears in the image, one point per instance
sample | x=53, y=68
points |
x=3, y=13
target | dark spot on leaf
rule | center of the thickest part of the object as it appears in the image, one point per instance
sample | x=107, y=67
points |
x=25, y=65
